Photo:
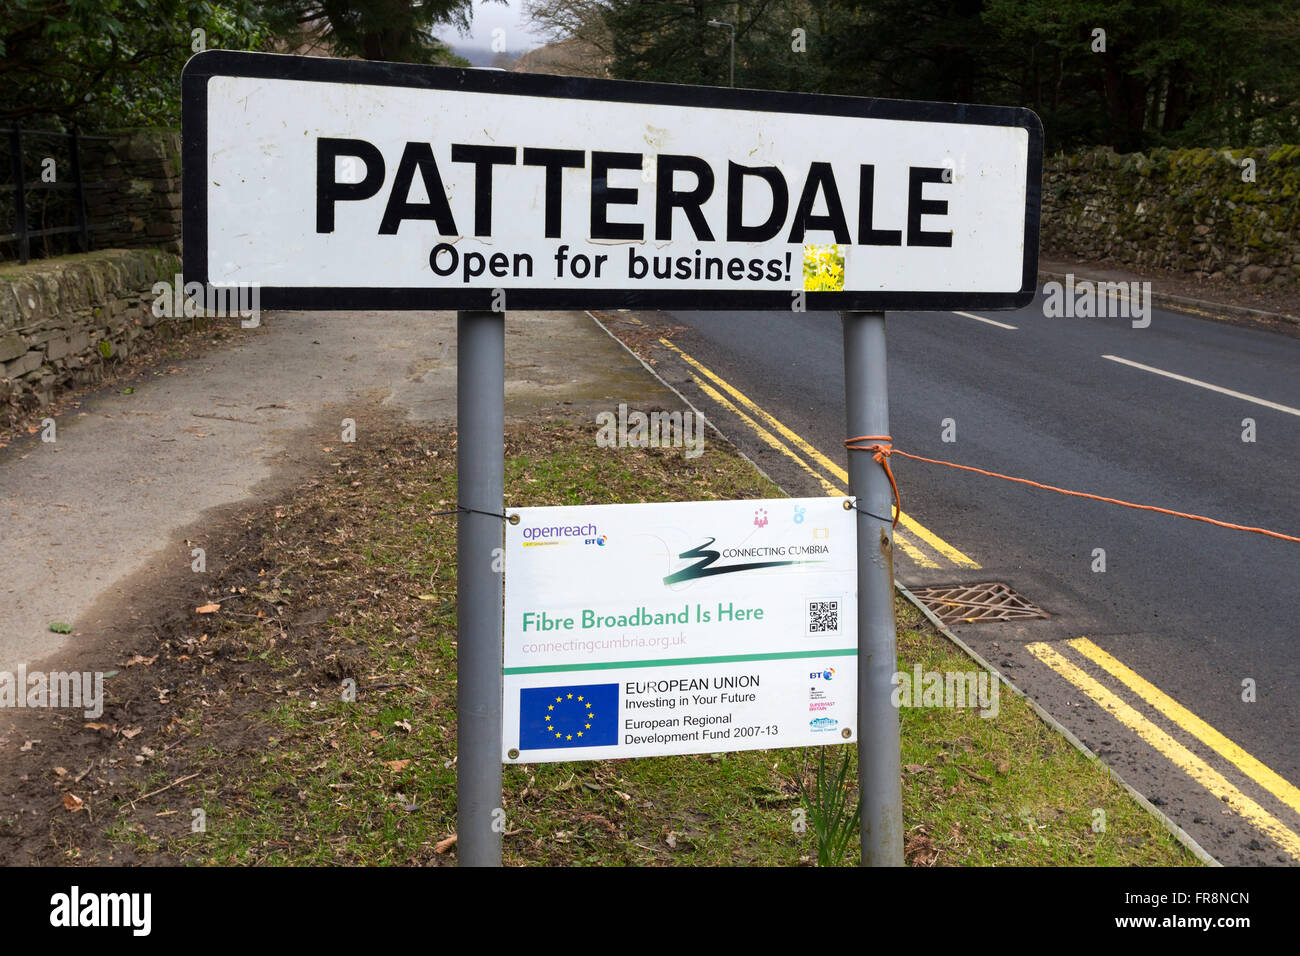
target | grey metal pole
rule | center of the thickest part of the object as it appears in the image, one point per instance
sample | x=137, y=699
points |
x=732, y=28
x=480, y=475
x=866, y=402
x=733, y=57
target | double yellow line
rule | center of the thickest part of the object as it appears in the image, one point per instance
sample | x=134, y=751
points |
x=781, y=438
x=1177, y=753
x=767, y=428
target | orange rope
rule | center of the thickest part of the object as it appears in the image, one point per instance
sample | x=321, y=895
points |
x=882, y=448
x=881, y=455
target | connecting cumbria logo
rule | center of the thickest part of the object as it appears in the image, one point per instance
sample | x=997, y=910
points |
x=705, y=557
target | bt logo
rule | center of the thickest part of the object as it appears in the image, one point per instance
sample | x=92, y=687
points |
x=827, y=674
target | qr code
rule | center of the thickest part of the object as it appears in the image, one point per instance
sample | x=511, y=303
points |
x=823, y=617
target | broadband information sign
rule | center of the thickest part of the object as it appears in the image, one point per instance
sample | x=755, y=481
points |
x=695, y=627
x=342, y=184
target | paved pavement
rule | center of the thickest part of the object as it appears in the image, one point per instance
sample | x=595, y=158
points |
x=128, y=473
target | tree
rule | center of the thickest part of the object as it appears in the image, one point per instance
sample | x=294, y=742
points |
x=1172, y=72
x=396, y=30
x=581, y=20
x=100, y=63
x=1130, y=74
x=671, y=40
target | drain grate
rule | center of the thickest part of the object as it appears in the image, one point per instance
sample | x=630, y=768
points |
x=976, y=603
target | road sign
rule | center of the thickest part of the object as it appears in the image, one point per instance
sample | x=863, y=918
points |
x=691, y=627
x=340, y=184
x=343, y=184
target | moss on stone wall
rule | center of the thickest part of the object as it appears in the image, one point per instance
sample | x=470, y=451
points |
x=1189, y=210
x=61, y=319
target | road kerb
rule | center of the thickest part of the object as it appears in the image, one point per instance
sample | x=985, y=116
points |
x=1177, y=832
x=1177, y=303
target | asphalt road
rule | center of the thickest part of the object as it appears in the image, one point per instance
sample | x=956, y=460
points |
x=1192, y=609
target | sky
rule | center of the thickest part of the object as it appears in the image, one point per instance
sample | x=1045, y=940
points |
x=488, y=16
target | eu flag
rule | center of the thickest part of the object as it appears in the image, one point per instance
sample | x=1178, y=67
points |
x=583, y=715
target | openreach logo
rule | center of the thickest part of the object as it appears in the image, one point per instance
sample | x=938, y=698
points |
x=1098, y=300
x=75, y=909
x=179, y=299
x=634, y=429
x=973, y=689
x=56, y=689
x=564, y=534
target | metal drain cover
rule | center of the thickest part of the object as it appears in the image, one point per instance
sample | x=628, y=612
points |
x=975, y=603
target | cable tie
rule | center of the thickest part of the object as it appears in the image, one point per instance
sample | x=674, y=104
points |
x=462, y=509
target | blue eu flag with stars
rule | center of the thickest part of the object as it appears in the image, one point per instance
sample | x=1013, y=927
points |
x=581, y=715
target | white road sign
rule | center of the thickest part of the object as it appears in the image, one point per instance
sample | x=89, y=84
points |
x=346, y=184
x=696, y=627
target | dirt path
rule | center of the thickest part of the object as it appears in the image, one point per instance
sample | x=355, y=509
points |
x=109, y=504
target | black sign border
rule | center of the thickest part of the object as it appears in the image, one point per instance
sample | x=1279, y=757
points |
x=212, y=63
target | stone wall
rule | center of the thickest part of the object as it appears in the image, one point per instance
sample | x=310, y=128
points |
x=1184, y=210
x=143, y=170
x=64, y=320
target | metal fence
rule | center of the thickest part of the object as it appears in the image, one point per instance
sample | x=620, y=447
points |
x=21, y=189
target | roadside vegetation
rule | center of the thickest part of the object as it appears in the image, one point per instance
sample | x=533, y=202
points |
x=238, y=710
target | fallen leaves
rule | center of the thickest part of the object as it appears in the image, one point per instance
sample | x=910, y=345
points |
x=72, y=803
x=919, y=848
x=397, y=764
x=208, y=609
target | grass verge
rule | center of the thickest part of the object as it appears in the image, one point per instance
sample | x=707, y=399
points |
x=353, y=580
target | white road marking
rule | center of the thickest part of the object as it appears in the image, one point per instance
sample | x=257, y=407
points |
x=980, y=318
x=1214, y=388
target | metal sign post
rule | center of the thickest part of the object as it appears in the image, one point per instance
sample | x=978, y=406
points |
x=480, y=493
x=866, y=407
x=340, y=184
